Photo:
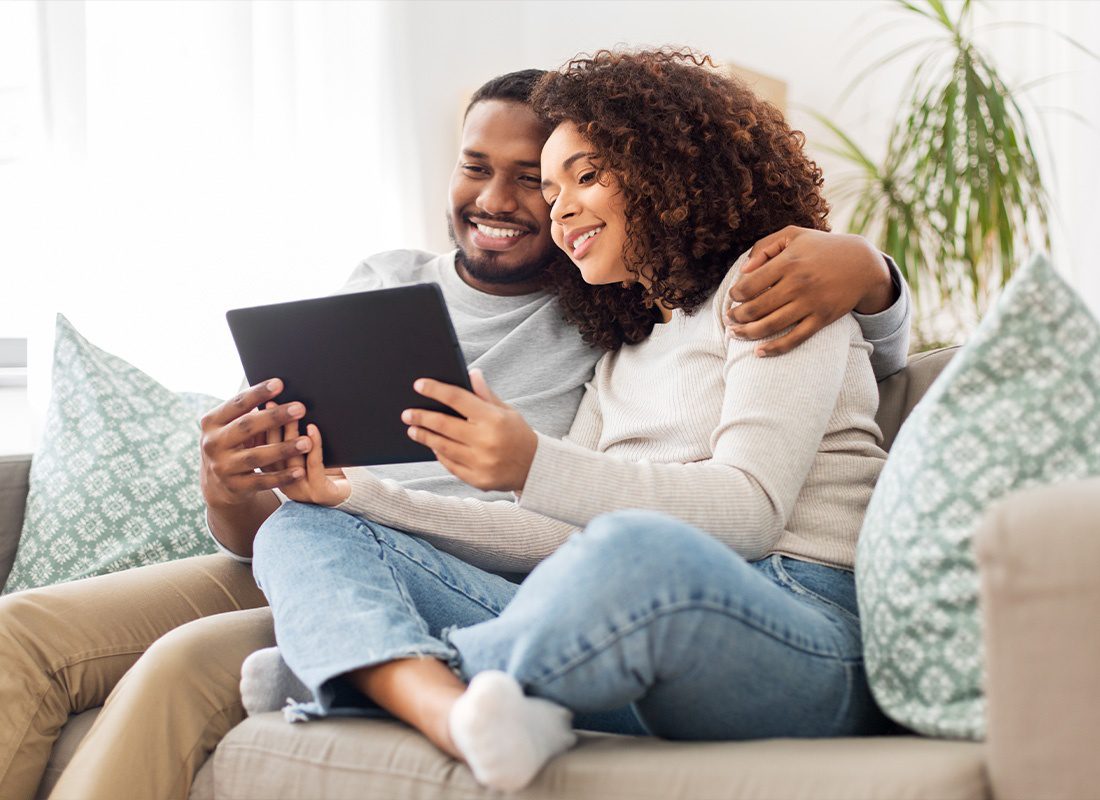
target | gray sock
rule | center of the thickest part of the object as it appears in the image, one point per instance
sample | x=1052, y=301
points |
x=267, y=683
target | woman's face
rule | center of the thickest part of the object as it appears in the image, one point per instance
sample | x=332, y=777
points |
x=587, y=220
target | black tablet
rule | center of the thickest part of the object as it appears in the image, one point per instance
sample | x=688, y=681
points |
x=352, y=359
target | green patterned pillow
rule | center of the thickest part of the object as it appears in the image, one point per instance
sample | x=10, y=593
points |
x=115, y=481
x=1019, y=406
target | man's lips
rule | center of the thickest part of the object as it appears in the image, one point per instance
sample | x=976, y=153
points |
x=493, y=235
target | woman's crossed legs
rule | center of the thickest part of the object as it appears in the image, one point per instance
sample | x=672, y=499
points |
x=637, y=612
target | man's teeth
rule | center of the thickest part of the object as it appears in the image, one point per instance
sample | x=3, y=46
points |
x=584, y=237
x=500, y=233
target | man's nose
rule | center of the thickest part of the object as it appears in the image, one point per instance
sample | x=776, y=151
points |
x=498, y=197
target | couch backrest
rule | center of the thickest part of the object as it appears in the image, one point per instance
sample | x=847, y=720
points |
x=897, y=396
x=899, y=393
x=14, y=471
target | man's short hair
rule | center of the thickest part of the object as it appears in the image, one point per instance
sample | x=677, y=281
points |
x=515, y=87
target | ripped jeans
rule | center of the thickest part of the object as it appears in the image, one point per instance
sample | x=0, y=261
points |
x=640, y=624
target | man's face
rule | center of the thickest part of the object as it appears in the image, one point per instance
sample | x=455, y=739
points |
x=499, y=220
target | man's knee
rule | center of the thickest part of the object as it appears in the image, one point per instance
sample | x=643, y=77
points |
x=206, y=653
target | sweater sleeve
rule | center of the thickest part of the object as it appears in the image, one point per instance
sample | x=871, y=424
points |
x=493, y=535
x=774, y=414
x=888, y=331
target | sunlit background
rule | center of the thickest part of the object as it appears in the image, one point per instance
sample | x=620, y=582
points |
x=162, y=162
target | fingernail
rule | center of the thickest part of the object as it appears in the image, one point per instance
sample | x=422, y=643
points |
x=412, y=433
x=418, y=385
x=296, y=474
x=406, y=416
x=761, y=352
x=271, y=386
x=302, y=444
x=297, y=410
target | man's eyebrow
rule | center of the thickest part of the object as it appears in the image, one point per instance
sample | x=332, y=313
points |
x=573, y=159
x=485, y=157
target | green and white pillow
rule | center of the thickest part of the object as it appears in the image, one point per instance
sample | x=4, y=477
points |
x=1019, y=406
x=115, y=481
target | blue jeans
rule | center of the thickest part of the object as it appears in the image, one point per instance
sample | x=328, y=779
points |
x=638, y=618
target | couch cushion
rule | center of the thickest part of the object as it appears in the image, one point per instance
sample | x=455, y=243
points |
x=267, y=757
x=900, y=393
x=115, y=481
x=13, y=500
x=71, y=735
x=1018, y=407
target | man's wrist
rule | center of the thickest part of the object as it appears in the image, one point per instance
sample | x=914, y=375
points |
x=883, y=295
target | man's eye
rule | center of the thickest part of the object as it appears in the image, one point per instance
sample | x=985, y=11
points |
x=476, y=169
x=533, y=180
x=587, y=177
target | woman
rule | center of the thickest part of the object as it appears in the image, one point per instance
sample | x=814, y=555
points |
x=731, y=614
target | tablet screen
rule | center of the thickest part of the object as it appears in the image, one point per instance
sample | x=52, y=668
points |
x=351, y=359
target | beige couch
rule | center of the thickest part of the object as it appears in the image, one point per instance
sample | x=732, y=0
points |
x=1039, y=554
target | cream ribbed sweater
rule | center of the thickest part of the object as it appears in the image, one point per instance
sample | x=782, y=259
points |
x=767, y=455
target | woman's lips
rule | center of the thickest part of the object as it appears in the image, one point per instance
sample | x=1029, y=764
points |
x=585, y=246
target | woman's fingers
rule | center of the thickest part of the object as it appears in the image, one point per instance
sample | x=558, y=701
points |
x=315, y=461
x=481, y=387
x=443, y=447
x=452, y=427
x=465, y=403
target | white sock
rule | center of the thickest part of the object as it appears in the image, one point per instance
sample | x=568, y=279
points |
x=267, y=683
x=506, y=737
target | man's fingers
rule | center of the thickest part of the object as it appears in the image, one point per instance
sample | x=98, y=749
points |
x=746, y=287
x=775, y=322
x=258, y=481
x=267, y=457
x=763, y=251
x=761, y=306
x=800, y=333
x=465, y=403
x=243, y=428
x=241, y=404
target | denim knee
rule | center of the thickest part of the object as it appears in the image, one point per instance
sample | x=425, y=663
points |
x=292, y=526
x=652, y=550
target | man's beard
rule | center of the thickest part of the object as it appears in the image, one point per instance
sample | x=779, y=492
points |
x=486, y=269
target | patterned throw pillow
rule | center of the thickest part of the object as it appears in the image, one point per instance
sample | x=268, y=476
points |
x=1019, y=406
x=115, y=482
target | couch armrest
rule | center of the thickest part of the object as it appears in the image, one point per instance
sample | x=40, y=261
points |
x=1038, y=554
x=14, y=472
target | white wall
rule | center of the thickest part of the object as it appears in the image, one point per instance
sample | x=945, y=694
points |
x=207, y=155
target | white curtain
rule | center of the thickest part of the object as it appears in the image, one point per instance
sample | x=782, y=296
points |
x=193, y=157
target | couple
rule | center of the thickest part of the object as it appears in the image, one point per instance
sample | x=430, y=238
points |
x=163, y=645
x=730, y=615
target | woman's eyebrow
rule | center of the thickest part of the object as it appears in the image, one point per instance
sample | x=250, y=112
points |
x=565, y=165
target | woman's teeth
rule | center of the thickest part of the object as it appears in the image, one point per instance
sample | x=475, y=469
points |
x=584, y=237
x=500, y=233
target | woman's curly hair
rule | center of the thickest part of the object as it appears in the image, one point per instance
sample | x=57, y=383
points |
x=705, y=167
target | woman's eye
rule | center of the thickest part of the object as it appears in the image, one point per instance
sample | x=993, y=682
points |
x=587, y=177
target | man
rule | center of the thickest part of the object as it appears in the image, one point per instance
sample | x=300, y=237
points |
x=157, y=644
